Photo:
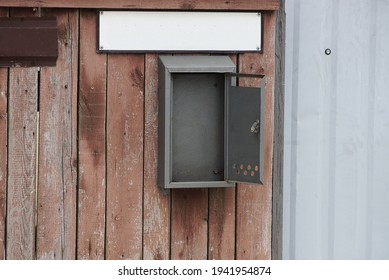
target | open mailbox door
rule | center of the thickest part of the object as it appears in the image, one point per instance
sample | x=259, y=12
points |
x=244, y=132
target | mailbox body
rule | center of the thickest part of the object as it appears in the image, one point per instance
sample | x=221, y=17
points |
x=204, y=124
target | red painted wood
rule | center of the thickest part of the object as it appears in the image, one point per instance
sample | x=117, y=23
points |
x=57, y=187
x=91, y=143
x=125, y=124
x=189, y=233
x=3, y=150
x=117, y=158
x=156, y=217
x=21, y=196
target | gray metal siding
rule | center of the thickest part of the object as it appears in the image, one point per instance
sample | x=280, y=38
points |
x=336, y=171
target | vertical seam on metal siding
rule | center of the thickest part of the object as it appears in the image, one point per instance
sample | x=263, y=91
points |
x=332, y=133
x=294, y=111
x=371, y=127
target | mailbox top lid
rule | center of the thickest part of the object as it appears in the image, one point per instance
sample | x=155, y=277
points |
x=217, y=64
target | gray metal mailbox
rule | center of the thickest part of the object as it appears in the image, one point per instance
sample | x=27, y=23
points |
x=210, y=131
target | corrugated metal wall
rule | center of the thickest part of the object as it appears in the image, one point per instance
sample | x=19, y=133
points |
x=337, y=130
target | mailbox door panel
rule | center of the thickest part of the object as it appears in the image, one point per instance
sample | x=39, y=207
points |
x=244, y=134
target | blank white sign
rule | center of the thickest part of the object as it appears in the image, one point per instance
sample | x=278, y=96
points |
x=179, y=31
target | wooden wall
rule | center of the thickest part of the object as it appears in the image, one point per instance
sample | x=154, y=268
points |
x=78, y=156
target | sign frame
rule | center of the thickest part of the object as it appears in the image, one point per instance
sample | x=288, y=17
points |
x=124, y=44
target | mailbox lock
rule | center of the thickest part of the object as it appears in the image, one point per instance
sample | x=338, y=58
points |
x=255, y=127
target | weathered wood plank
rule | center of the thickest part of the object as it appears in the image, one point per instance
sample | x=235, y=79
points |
x=222, y=220
x=3, y=150
x=254, y=203
x=125, y=124
x=23, y=89
x=21, y=196
x=92, y=141
x=278, y=159
x=149, y=5
x=222, y=224
x=57, y=188
x=156, y=217
x=189, y=232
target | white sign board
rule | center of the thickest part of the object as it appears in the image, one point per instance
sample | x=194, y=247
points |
x=121, y=31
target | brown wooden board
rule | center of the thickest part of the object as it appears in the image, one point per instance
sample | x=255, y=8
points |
x=254, y=202
x=189, y=232
x=156, y=202
x=23, y=90
x=21, y=196
x=279, y=81
x=150, y=4
x=118, y=211
x=221, y=224
x=3, y=150
x=221, y=244
x=57, y=187
x=125, y=117
x=125, y=124
x=92, y=141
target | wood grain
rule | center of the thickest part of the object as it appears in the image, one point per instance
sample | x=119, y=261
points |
x=23, y=89
x=125, y=116
x=222, y=220
x=189, y=232
x=21, y=196
x=122, y=214
x=3, y=150
x=92, y=141
x=156, y=217
x=254, y=203
x=149, y=5
x=57, y=188
x=278, y=159
x=221, y=224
